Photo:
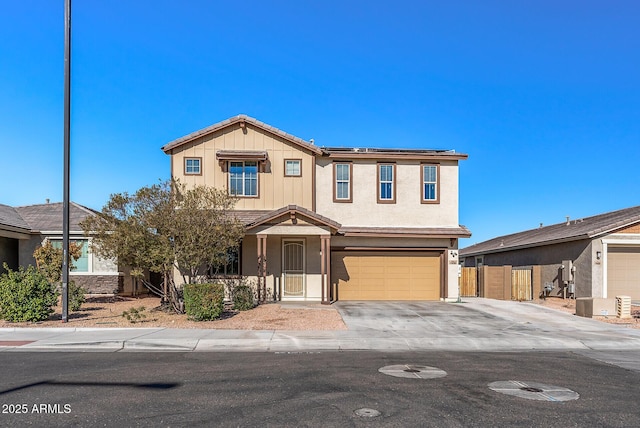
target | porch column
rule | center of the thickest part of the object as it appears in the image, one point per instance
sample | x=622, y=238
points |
x=325, y=268
x=262, y=267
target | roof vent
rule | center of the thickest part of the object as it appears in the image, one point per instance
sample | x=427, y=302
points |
x=312, y=141
x=568, y=221
x=540, y=225
x=502, y=243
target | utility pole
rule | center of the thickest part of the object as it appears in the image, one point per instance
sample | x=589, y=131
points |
x=65, y=197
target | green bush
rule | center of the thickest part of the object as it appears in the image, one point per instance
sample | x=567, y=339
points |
x=243, y=297
x=76, y=296
x=26, y=295
x=203, y=302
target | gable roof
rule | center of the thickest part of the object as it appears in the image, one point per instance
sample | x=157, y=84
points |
x=48, y=217
x=241, y=119
x=574, y=230
x=294, y=210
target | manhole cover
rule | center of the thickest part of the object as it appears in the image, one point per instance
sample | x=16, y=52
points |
x=412, y=371
x=534, y=390
x=367, y=413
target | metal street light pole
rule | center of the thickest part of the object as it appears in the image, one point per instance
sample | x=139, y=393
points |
x=65, y=198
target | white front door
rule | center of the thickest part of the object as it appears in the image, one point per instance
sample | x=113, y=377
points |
x=293, y=264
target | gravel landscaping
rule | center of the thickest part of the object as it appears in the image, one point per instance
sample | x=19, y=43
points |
x=108, y=312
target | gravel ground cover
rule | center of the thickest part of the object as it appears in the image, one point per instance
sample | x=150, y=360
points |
x=108, y=312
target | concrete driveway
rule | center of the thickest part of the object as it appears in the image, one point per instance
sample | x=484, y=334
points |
x=481, y=325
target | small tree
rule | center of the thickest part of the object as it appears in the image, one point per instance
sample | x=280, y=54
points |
x=167, y=226
x=49, y=263
x=49, y=259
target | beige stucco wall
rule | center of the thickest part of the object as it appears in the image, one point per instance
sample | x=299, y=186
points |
x=408, y=211
x=275, y=190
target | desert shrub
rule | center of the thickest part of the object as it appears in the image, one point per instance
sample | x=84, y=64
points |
x=242, y=293
x=134, y=315
x=243, y=298
x=76, y=296
x=203, y=302
x=26, y=295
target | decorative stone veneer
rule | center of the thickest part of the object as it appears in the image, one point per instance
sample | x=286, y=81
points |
x=99, y=284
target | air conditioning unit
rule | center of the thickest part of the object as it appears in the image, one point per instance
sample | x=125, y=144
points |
x=623, y=306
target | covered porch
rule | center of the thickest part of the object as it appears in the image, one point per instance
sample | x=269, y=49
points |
x=288, y=252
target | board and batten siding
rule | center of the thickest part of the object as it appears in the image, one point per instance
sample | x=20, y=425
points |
x=274, y=189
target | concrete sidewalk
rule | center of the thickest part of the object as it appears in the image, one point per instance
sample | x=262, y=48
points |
x=474, y=325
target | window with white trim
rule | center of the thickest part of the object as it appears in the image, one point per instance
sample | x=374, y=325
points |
x=292, y=168
x=192, y=166
x=82, y=264
x=386, y=183
x=243, y=178
x=430, y=183
x=342, y=187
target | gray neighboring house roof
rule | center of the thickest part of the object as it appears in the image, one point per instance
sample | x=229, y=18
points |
x=10, y=218
x=573, y=230
x=48, y=217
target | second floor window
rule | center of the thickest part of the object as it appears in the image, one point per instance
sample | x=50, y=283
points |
x=386, y=183
x=430, y=183
x=292, y=168
x=243, y=178
x=342, y=178
x=192, y=166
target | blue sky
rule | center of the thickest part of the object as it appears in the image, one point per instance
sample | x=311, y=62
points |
x=544, y=96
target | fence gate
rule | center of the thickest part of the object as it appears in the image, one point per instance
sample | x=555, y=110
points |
x=521, y=285
x=468, y=282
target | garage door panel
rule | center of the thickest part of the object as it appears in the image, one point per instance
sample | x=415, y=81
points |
x=386, y=275
x=623, y=272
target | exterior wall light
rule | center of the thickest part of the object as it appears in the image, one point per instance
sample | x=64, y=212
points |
x=598, y=255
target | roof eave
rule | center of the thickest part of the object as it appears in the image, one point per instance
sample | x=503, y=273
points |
x=524, y=246
x=386, y=155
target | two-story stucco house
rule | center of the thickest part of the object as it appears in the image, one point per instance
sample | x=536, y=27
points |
x=330, y=224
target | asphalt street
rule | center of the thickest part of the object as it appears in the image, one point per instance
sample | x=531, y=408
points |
x=315, y=388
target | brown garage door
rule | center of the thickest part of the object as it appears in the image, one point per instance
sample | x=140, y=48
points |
x=623, y=272
x=386, y=275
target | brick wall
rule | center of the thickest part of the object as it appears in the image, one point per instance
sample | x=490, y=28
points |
x=99, y=284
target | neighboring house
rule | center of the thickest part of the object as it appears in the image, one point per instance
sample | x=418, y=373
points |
x=13, y=229
x=599, y=255
x=23, y=229
x=331, y=223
